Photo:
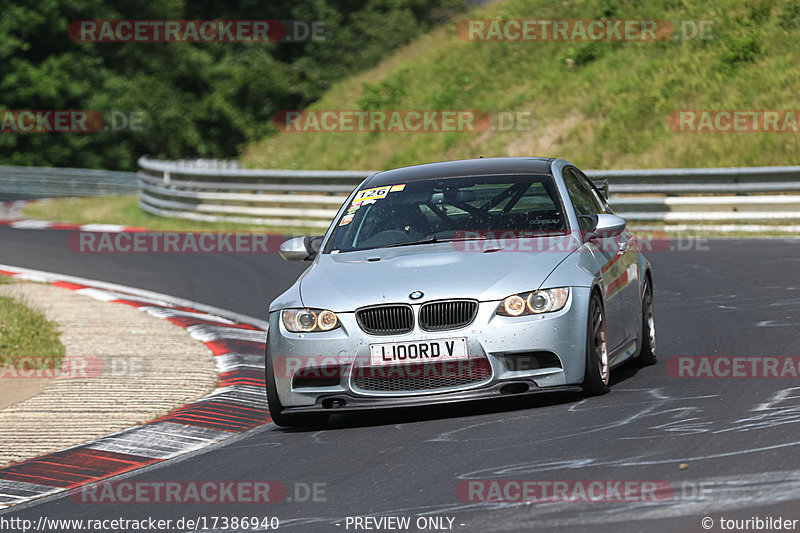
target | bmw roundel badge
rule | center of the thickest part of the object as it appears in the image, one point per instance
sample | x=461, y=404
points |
x=416, y=295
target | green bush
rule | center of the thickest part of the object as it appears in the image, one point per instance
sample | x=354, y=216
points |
x=202, y=99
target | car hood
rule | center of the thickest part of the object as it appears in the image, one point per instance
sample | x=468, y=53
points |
x=346, y=281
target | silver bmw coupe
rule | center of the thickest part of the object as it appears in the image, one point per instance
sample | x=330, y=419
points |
x=456, y=281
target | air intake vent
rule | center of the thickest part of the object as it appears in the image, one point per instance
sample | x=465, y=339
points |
x=386, y=319
x=450, y=314
x=427, y=376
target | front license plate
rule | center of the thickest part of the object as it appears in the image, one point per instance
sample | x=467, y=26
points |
x=394, y=353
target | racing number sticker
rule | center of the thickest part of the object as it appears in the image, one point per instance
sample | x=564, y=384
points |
x=368, y=196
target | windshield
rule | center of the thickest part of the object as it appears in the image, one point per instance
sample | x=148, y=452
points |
x=448, y=209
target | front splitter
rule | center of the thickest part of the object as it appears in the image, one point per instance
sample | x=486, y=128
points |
x=345, y=403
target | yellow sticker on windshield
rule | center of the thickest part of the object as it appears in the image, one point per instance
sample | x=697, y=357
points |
x=397, y=188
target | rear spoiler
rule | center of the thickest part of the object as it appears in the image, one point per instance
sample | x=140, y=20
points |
x=602, y=185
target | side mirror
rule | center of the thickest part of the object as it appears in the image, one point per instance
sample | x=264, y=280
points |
x=301, y=248
x=605, y=225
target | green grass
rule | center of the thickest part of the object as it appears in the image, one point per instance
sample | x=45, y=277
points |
x=125, y=210
x=598, y=104
x=25, y=332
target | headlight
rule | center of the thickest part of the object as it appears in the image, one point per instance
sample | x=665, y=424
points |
x=513, y=305
x=534, y=303
x=308, y=320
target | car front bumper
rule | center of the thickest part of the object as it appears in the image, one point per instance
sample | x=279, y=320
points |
x=528, y=354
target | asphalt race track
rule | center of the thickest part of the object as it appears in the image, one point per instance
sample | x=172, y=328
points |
x=739, y=437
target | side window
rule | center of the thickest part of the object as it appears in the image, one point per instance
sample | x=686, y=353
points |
x=599, y=198
x=583, y=196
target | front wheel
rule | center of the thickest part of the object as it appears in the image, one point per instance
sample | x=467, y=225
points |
x=598, y=372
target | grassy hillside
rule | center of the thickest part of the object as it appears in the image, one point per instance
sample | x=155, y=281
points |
x=599, y=104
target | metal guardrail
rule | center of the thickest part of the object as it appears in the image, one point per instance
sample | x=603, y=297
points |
x=216, y=191
x=732, y=199
x=59, y=182
x=731, y=180
x=744, y=199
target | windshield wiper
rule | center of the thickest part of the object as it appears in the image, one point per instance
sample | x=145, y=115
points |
x=469, y=238
x=426, y=240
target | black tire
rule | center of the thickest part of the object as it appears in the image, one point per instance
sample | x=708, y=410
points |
x=276, y=409
x=647, y=354
x=597, y=373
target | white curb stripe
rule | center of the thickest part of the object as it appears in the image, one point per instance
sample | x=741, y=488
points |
x=160, y=440
x=231, y=361
x=109, y=228
x=207, y=333
x=160, y=312
x=239, y=394
x=12, y=492
x=32, y=276
x=31, y=224
x=97, y=294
